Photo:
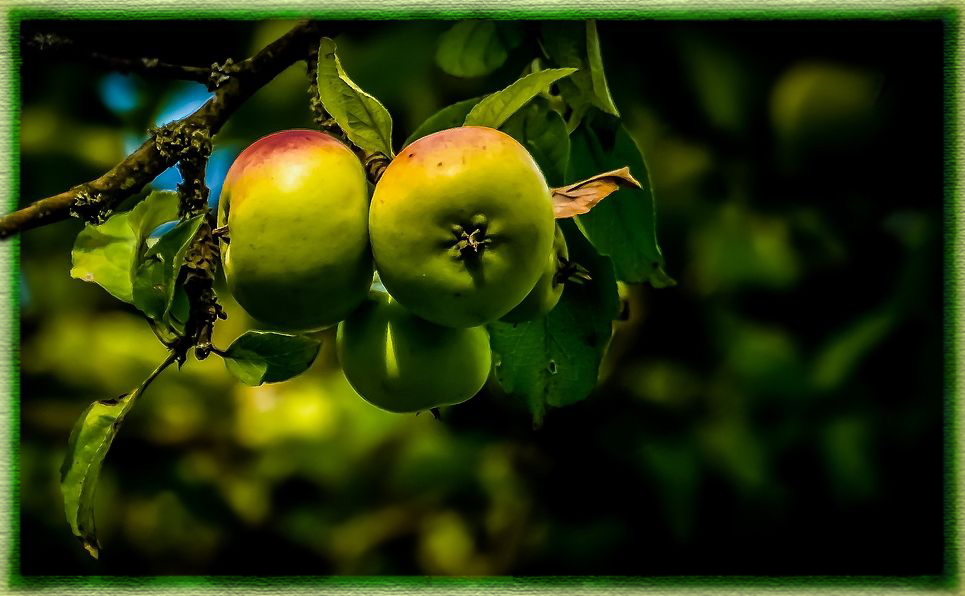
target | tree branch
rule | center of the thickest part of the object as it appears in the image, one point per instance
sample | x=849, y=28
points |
x=51, y=43
x=95, y=199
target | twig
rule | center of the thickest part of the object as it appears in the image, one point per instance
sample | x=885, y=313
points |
x=93, y=200
x=51, y=43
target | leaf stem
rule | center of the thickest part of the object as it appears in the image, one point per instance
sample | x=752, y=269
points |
x=171, y=357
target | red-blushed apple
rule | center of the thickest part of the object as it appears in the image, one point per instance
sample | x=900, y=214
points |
x=461, y=224
x=296, y=206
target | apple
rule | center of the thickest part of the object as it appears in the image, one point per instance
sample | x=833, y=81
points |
x=461, y=224
x=296, y=206
x=548, y=289
x=402, y=363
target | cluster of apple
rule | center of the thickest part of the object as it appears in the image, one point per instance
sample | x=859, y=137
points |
x=460, y=229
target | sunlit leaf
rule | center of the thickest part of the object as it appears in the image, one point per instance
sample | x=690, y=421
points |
x=580, y=197
x=107, y=254
x=473, y=48
x=555, y=360
x=543, y=133
x=496, y=108
x=447, y=117
x=104, y=255
x=258, y=357
x=155, y=275
x=365, y=121
x=622, y=227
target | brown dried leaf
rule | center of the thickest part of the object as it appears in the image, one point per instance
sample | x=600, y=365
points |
x=580, y=197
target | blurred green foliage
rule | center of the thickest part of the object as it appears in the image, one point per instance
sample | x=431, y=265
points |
x=779, y=411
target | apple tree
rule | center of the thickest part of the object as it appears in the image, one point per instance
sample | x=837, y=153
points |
x=481, y=249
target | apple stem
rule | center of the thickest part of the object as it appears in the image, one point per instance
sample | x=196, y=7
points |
x=221, y=233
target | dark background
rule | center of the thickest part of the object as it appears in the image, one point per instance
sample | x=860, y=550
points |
x=777, y=412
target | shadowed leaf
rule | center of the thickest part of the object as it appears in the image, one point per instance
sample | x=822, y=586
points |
x=555, y=360
x=624, y=226
x=577, y=45
x=473, y=48
x=258, y=357
x=543, y=132
x=158, y=270
x=447, y=117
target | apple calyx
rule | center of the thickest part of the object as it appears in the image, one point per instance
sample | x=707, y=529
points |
x=471, y=239
x=571, y=272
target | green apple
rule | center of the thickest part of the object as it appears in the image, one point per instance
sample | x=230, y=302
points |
x=548, y=289
x=296, y=205
x=402, y=363
x=461, y=223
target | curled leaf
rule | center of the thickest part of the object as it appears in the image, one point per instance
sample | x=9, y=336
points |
x=155, y=276
x=580, y=197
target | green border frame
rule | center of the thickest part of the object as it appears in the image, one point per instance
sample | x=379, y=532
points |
x=950, y=581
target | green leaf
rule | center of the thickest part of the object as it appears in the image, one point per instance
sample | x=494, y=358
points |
x=107, y=254
x=158, y=270
x=161, y=206
x=496, y=108
x=601, y=91
x=258, y=357
x=622, y=227
x=555, y=360
x=577, y=45
x=104, y=255
x=474, y=48
x=448, y=117
x=365, y=121
x=543, y=132
x=89, y=442
x=180, y=310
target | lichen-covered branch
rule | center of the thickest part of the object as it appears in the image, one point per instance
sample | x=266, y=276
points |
x=95, y=199
x=202, y=259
